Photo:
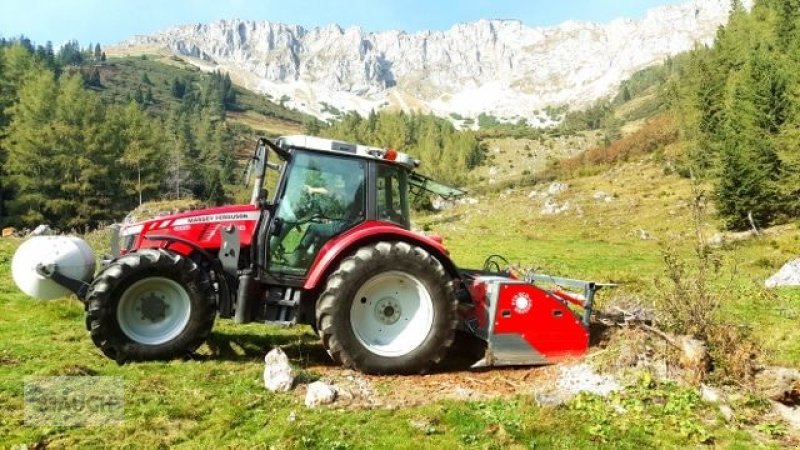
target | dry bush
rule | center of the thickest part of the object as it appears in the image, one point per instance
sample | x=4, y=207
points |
x=654, y=135
x=688, y=303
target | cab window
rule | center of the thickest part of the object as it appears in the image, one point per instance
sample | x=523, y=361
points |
x=392, y=201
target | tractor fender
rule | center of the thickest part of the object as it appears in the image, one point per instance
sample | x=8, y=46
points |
x=369, y=232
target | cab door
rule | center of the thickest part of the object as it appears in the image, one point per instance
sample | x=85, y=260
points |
x=324, y=195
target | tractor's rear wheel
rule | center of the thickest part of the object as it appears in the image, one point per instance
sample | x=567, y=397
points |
x=150, y=305
x=389, y=308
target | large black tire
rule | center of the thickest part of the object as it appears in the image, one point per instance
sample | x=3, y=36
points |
x=334, y=308
x=137, y=269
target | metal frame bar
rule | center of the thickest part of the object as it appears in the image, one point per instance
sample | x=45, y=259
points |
x=589, y=288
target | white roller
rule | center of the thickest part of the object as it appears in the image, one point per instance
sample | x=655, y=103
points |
x=73, y=256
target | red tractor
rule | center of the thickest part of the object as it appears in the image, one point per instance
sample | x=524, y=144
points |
x=331, y=248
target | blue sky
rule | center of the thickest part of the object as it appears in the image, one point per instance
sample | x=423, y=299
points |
x=109, y=21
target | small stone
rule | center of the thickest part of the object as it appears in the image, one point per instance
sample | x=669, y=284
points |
x=319, y=393
x=789, y=414
x=601, y=196
x=419, y=424
x=727, y=412
x=557, y=188
x=292, y=417
x=718, y=240
x=644, y=235
x=550, y=399
x=709, y=394
x=278, y=374
x=463, y=393
x=552, y=208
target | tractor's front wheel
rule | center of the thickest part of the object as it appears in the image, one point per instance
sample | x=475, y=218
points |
x=150, y=305
x=389, y=308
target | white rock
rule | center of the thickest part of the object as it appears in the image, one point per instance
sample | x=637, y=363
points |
x=462, y=393
x=440, y=204
x=790, y=415
x=319, y=393
x=533, y=194
x=727, y=411
x=778, y=383
x=789, y=275
x=467, y=201
x=583, y=378
x=601, y=196
x=552, y=208
x=552, y=398
x=556, y=188
x=278, y=374
x=709, y=394
x=718, y=240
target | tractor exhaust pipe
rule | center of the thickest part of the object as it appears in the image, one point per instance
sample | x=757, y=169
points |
x=259, y=165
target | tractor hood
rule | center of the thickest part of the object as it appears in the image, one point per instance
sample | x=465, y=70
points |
x=200, y=226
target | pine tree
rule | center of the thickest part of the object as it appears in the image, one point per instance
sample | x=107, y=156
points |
x=750, y=168
x=142, y=153
x=30, y=167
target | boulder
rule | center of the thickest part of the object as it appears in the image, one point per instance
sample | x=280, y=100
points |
x=319, y=393
x=789, y=275
x=780, y=384
x=278, y=374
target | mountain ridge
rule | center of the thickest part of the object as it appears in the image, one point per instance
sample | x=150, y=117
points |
x=497, y=66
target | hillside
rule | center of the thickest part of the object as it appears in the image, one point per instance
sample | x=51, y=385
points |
x=150, y=79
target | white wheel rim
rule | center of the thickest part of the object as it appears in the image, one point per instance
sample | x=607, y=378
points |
x=392, y=314
x=154, y=310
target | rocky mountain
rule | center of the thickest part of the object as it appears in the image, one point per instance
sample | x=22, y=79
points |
x=500, y=67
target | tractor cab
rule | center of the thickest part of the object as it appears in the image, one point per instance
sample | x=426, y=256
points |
x=327, y=188
x=324, y=189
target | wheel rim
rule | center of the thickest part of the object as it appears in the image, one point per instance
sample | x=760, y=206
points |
x=392, y=314
x=154, y=310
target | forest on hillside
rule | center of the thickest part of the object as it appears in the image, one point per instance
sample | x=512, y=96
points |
x=737, y=105
x=72, y=160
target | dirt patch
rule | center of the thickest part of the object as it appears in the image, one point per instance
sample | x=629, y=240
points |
x=356, y=390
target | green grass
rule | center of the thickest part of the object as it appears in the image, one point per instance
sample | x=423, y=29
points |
x=219, y=401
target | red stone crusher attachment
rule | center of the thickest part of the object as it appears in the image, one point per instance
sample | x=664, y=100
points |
x=527, y=319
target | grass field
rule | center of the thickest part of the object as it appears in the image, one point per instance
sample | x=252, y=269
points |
x=219, y=401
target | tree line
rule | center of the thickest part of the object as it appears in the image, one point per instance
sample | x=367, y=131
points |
x=738, y=105
x=69, y=159
x=447, y=154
